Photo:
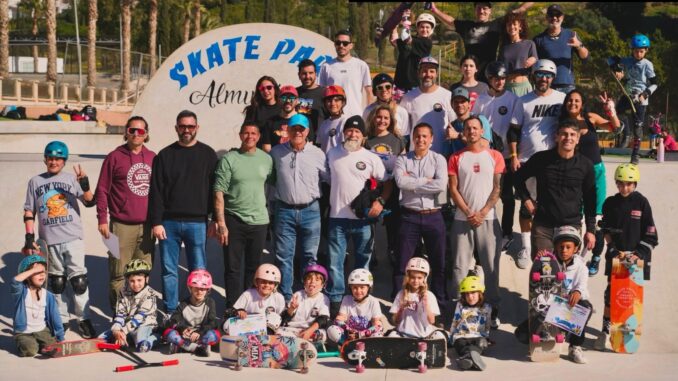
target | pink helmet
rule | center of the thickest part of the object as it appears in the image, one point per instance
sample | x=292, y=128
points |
x=268, y=272
x=199, y=278
x=316, y=268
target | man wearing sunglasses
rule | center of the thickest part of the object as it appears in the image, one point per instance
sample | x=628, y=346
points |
x=276, y=130
x=180, y=201
x=122, y=197
x=533, y=129
x=559, y=45
x=349, y=72
x=383, y=88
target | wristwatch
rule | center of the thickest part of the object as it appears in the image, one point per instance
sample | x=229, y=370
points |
x=381, y=200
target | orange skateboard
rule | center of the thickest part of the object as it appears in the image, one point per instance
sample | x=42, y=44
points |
x=626, y=304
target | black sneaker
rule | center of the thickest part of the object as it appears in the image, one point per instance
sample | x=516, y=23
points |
x=202, y=351
x=86, y=329
x=594, y=263
x=66, y=327
x=465, y=362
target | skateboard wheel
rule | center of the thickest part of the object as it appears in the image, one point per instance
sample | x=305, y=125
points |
x=238, y=367
x=422, y=368
x=560, y=338
x=560, y=276
x=303, y=370
x=360, y=368
x=360, y=346
x=422, y=345
x=536, y=277
x=536, y=338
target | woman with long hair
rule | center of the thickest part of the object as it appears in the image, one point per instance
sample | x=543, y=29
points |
x=518, y=53
x=265, y=103
x=469, y=70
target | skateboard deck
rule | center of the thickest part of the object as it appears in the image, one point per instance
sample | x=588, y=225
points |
x=77, y=347
x=267, y=351
x=545, y=340
x=392, y=21
x=395, y=352
x=626, y=305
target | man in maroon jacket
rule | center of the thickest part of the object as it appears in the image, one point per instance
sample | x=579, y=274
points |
x=122, y=192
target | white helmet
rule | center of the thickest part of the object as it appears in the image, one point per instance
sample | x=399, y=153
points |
x=361, y=276
x=426, y=17
x=545, y=65
x=268, y=272
x=418, y=264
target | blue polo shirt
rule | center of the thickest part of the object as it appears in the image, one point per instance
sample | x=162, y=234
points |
x=557, y=50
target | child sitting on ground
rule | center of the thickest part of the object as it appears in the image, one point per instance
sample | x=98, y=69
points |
x=470, y=329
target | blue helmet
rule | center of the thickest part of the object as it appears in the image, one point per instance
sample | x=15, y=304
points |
x=640, y=41
x=29, y=260
x=57, y=149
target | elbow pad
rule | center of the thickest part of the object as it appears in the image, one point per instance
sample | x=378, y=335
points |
x=91, y=203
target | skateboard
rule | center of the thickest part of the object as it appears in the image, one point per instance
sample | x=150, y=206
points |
x=77, y=347
x=395, y=352
x=626, y=304
x=267, y=351
x=392, y=21
x=546, y=278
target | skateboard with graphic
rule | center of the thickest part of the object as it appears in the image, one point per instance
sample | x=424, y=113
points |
x=267, y=351
x=77, y=347
x=395, y=352
x=626, y=303
x=546, y=279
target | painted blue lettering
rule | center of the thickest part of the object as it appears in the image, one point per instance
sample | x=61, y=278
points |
x=231, y=43
x=214, y=55
x=284, y=47
x=195, y=64
x=319, y=61
x=303, y=53
x=251, y=47
x=177, y=75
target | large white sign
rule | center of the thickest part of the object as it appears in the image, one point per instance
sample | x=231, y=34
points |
x=214, y=76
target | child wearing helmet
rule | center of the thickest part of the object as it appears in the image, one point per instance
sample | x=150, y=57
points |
x=628, y=227
x=262, y=298
x=566, y=245
x=411, y=49
x=193, y=325
x=308, y=312
x=52, y=199
x=359, y=314
x=37, y=322
x=415, y=308
x=640, y=80
x=470, y=330
x=330, y=130
x=135, y=310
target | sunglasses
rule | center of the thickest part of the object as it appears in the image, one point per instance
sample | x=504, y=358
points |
x=288, y=98
x=342, y=43
x=384, y=87
x=136, y=131
x=186, y=127
x=266, y=87
x=542, y=75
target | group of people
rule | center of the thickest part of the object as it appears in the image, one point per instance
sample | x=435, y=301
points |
x=325, y=162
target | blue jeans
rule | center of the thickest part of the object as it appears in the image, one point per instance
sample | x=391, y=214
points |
x=340, y=230
x=292, y=226
x=193, y=235
x=136, y=337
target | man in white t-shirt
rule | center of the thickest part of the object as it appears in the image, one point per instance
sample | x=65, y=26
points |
x=475, y=177
x=351, y=73
x=430, y=104
x=350, y=166
x=533, y=129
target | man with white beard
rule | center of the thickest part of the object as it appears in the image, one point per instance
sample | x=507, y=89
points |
x=350, y=165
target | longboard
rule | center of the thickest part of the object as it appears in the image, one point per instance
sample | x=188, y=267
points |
x=626, y=304
x=267, y=351
x=395, y=352
x=545, y=340
x=77, y=347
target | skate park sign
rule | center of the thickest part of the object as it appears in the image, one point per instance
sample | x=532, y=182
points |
x=214, y=76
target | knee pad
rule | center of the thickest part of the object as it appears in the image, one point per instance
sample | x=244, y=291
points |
x=79, y=284
x=210, y=337
x=335, y=333
x=56, y=284
x=173, y=337
x=144, y=346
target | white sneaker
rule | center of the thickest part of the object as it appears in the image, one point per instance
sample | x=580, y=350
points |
x=601, y=342
x=523, y=259
x=576, y=354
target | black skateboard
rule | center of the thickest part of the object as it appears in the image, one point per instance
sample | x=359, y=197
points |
x=395, y=352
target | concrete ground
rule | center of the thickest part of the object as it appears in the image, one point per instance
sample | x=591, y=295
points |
x=657, y=358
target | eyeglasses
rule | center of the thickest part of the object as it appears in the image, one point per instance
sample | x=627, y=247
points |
x=288, y=98
x=136, y=131
x=186, y=127
x=384, y=87
x=266, y=87
x=542, y=75
x=342, y=43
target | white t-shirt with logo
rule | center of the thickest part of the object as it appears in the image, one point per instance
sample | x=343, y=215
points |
x=538, y=116
x=475, y=173
x=413, y=320
x=432, y=108
x=253, y=303
x=330, y=133
x=359, y=315
x=348, y=172
x=498, y=111
x=310, y=308
x=352, y=75
x=401, y=116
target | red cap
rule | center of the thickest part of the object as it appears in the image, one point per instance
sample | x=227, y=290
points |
x=289, y=89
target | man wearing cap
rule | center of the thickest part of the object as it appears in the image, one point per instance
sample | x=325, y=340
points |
x=475, y=177
x=481, y=36
x=382, y=87
x=411, y=49
x=533, y=129
x=350, y=165
x=276, y=129
x=430, y=104
x=240, y=209
x=461, y=104
x=559, y=45
x=298, y=168
x=310, y=96
x=349, y=72
x=329, y=132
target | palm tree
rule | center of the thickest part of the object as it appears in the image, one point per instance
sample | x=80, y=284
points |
x=153, y=33
x=4, y=38
x=37, y=10
x=126, y=12
x=197, y=14
x=186, y=6
x=93, y=15
x=50, y=14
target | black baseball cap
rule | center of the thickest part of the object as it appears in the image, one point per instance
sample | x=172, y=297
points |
x=555, y=10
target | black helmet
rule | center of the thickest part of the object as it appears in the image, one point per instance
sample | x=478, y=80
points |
x=378, y=80
x=495, y=69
